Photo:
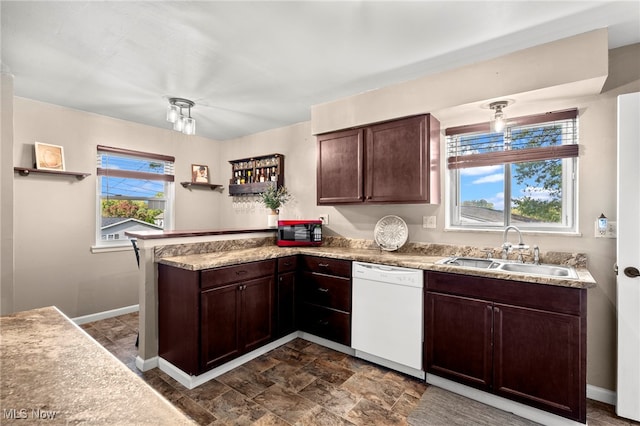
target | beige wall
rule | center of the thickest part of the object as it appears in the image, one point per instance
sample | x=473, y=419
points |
x=54, y=224
x=54, y=217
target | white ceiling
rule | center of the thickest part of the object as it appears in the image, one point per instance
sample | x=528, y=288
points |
x=256, y=65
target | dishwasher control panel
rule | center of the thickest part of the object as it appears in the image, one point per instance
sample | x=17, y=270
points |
x=388, y=274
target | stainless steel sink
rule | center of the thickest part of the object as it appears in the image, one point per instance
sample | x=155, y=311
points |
x=547, y=270
x=510, y=266
x=471, y=262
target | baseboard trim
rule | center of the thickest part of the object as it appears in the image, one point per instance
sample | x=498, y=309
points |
x=146, y=364
x=106, y=314
x=601, y=394
x=327, y=343
x=191, y=382
x=504, y=404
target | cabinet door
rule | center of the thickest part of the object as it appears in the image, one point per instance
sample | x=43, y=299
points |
x=286, y=296
x=399, y=160
x=340, y=167
x=220, y=322
x=458, y=338
x=537, y=359
x=256, y=312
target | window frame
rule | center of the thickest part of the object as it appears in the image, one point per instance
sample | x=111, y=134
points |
x=169, y=190
x=568, y=153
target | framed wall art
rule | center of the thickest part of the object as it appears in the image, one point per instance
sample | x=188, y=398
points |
x=49, y=157
x=199, y=173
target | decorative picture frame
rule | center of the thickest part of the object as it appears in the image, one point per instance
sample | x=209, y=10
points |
x=199, y=173
x=49, y=157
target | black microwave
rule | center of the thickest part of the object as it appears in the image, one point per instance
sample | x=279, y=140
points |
x=299, y=233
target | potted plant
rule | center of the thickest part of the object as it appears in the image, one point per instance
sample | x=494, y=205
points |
x=273, y=198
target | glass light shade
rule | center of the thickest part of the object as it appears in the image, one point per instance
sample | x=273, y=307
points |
x=178, y=125
x=498, y=122
x=189, y=126
x=173, y=112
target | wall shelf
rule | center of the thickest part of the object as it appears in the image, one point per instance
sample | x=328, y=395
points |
x=211, y=186
x=252, y=176
x=26, y=171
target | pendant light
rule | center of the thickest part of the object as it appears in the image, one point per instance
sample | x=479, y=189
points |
x=499, y=118
x=186, y=125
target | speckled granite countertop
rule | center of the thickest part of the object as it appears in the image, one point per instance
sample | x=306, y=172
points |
x=412, y=257
x=54, y=373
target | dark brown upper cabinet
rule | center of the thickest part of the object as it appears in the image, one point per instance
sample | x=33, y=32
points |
x=392, y=162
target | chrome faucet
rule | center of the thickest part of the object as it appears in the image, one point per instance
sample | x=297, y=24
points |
x=507, y=247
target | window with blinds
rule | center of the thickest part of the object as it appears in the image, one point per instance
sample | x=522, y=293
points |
x=524, y=176
x=135, y=193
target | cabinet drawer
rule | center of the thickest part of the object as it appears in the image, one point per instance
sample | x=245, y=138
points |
x=325, y=290
x=230, y=274
x=327, y=323
x=287, y=264
x=323, y=265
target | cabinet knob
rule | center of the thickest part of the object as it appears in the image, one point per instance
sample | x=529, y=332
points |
x=323, y=265
x=323, y=290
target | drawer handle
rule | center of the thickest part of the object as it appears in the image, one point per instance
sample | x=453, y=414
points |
x=323, y=265
x=323, y=323
x=242, y=272
x=323, y=290
x=287, y=263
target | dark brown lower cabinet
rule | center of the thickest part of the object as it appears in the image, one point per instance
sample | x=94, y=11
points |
x=236, y=318
x=286, y=321
x=324, y=303
x=206, y=318
x=522, y=341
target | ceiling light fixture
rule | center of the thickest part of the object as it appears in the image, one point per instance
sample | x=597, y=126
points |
x=499, y=119
x=186, y=125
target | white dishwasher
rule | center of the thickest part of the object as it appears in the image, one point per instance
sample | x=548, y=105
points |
x=386, y=323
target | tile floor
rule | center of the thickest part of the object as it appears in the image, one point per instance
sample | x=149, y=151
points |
x=300, y=383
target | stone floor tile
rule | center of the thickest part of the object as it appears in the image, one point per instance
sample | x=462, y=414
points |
x=411, y=385
x=234, y=408
x=288, y=376
x=405, y=404
x=193, y=410
x=329, y=396
x=271, y=419
x=248, y=382
x=298, y=344
x=368, y=413
x=262, y=363
x=328, y=372
x=384, y=392
x=291, y=356
x=206, y=392
x=284, y=403
x=321, y=417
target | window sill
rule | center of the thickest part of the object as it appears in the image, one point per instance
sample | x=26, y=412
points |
x=522, y=230
x=112, y=248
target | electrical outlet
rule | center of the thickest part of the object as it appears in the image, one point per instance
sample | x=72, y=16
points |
x=428, y=222
x=324, y=218
x=611, y=232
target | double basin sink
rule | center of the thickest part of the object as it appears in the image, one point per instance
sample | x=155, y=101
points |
x=557, y=271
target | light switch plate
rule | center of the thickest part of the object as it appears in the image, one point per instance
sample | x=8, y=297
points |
x=612, y=230
x=429, y=222
x=324, y=218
